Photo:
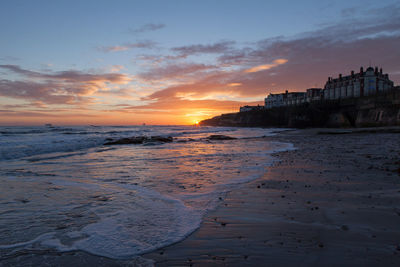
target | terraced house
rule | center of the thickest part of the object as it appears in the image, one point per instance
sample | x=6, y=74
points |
x=359, y=84
x=364, y=83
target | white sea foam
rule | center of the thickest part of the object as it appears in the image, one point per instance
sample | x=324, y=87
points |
x=40, y=238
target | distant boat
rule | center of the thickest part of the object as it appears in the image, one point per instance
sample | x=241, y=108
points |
x=144, y=124
x=48, y=125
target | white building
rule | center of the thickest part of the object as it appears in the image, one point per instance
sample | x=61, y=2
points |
x=314, y=94
x=294, y=98
x=359, y=84
x=274, y=100
x=284, y=99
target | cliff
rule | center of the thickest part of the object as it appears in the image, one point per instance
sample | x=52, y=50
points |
x=378, y=110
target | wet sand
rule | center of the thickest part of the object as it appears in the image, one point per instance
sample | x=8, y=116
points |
x=335, y=201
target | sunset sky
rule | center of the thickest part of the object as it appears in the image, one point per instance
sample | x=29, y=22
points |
x=177, y=62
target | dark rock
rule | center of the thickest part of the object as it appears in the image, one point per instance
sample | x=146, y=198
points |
x=126, y=141
x=345, y=228
x=220, y=137
x=61, y=226
x=160, y=139
x=22, y=200
x=135, y=140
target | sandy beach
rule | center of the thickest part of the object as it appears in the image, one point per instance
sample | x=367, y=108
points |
x=332, y=202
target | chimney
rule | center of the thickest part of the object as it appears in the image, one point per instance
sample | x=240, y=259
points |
x=380, y=71
x=352, y=73
x=340, y=76
x=376, y=70
x=361, y=70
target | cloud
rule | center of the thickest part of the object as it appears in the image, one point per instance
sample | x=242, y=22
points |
x=173, y=71
x=275, y=63
x=117, y=48
x=64, y=87
x=71, y=76
x=116, y=68
x=175, y=104
x=220, y=47
x=148, y=28
x=234, y=84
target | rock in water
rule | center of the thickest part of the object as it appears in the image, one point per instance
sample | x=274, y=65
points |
x=161, y=139
x=220, y=137
x=140, y=140
x=129, y=140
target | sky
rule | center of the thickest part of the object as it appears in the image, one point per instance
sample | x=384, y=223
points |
x=177, y=62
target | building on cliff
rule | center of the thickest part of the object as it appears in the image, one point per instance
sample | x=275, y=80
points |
x=359, y=84
x=313, y=94
x=364, y=83
x=274, y=100
x=293, y=98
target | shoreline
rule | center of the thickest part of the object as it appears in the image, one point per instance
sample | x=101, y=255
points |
x=328, y=202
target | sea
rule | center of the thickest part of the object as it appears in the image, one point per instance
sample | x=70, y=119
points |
x=62, y=189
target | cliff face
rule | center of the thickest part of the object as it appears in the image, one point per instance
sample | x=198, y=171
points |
x=378, y=110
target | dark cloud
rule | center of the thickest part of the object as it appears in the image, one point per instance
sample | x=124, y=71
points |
x=46, y=92
x=40, y=114
x=116, y=48
x=64, y=87
x=220, y=47
x=175, y=71
x=69, y=76
x=148, y=28
x=159, y=59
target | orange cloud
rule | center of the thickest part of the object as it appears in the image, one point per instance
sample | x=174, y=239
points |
x=234, y=84
x=116, y=68
x=275, y=63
